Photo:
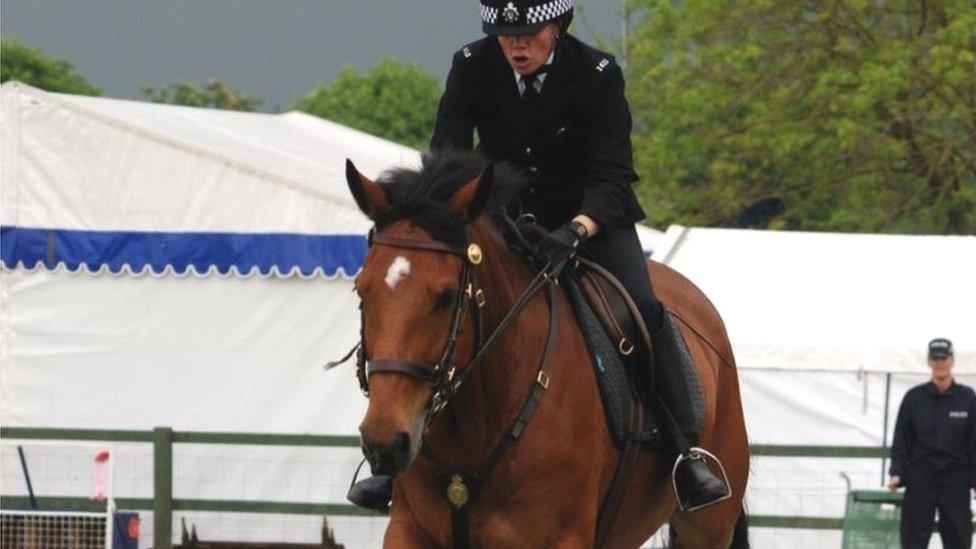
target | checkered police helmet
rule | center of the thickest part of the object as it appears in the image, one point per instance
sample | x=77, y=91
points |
x=509, y=17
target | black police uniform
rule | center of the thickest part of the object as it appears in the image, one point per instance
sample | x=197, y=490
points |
x=573, y=139
x=934, y=454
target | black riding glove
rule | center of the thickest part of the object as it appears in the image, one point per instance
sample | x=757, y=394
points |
x=560, y=244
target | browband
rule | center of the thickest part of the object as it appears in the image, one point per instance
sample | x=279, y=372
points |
x=431, y=245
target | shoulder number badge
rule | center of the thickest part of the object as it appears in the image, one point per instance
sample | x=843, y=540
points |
x=510, y=13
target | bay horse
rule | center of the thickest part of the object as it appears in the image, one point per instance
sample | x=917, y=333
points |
x=546, y=488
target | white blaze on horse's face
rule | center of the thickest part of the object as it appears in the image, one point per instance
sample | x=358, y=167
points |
x=399, y=269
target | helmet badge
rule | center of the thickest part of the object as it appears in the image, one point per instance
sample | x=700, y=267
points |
x=510, y=13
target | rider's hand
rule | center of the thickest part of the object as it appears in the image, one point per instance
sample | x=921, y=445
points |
x=558, y=245
x=894, y=482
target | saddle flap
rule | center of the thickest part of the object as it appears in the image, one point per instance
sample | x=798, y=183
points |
x=611, y=308
x=623, y=319
x=615, y=380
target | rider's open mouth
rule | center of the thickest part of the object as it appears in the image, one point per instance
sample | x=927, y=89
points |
x=520, y=59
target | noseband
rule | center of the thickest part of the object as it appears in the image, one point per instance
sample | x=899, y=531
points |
x=469, y=296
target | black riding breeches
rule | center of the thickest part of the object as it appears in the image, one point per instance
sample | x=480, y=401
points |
x=947, y=491
x=618, y=250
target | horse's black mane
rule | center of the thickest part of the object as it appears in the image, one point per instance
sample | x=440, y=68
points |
x=421, y=195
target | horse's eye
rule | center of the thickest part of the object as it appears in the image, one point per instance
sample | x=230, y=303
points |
x=445, y=299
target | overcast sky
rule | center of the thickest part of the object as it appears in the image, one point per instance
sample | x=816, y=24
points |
x=273, y=49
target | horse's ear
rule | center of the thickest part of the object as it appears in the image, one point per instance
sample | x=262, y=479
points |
x=470, y=199
x=370, y=196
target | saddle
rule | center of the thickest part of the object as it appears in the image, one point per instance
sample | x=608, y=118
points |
x=618, y=341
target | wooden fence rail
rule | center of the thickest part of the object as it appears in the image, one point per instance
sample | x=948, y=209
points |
x=162, y=504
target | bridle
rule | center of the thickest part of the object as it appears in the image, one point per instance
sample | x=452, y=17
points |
x=445, y=376
x=469, y=296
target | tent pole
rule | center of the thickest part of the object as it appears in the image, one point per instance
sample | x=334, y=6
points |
x=884, y=431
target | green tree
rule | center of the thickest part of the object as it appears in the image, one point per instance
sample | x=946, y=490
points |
x=856, y=115
x=214, y=95
x=392, y=100
x=31, y=66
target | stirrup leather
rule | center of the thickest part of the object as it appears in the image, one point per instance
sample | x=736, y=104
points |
x=699, y=454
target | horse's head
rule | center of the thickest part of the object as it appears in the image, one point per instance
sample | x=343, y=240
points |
x=415, y=301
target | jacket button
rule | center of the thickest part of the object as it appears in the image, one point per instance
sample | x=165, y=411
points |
x=533, y=169
x=532, y=191
x=528, y=150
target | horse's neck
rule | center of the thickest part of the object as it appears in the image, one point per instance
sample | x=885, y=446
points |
x=483, y=409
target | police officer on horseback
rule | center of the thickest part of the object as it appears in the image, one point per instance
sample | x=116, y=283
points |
x=542, y=99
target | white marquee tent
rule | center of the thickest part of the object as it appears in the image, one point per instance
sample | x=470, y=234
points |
x=190, y=268
x=182, y=267
x=823, y=326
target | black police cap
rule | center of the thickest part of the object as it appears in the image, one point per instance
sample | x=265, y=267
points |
x=512, y=17
x=940, y=347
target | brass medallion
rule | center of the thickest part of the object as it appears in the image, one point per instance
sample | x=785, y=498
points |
x=474, y=254
x=457, y=492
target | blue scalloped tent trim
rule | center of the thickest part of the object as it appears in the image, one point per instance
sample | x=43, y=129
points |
x=180, y=251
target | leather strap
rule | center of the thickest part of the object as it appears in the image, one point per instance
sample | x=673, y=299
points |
x=413, y=369
x=332, y=364
x=601, y=306
x=459, y=516
x=460, y=538
x=634, y=311
x=546, y=276
x=431, y=245
x=542, y=378
x=621, y=477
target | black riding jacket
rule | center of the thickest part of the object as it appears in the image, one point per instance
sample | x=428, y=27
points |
x=574, y=141
x=935, y=432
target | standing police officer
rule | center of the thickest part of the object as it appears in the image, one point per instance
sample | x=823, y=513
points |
x=934, y=455
x=541, y=99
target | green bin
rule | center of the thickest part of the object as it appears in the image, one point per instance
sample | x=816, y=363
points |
x=871, y=519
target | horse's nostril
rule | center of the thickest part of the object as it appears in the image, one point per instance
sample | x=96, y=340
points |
x=401, y=450
x=388, y=459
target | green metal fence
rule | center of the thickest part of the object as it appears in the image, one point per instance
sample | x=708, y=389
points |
x=163, y=504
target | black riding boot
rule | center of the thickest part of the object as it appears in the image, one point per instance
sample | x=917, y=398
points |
x=372, y=493
x=694, y=483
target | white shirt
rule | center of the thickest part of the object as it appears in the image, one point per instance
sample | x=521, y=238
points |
x=539, y=79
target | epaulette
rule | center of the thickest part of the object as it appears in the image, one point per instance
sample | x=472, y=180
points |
x=604, y=62
x=595, y=59
x=474, y=50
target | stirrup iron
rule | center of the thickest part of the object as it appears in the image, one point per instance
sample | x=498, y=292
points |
x=699, y=454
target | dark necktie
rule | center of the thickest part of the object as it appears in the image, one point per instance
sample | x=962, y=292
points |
x=533, y=85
